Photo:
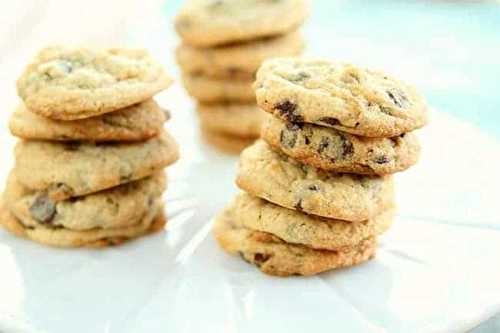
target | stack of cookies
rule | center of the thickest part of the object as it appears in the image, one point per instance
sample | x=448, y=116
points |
x=89, y=165
x=223, y=44
x=319, y=188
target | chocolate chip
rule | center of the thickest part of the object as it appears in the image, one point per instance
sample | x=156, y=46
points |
x=397, y=97
x=307, y=141
x=347, y=147
x=323, y=144
x=381, y=160
x=288, y=138
x=330, y=121
x=288, y=111
x=386, y=110
x=313, y=188
x=43, y=209
x=394, y=141
x=260, y=258
x=298, y=205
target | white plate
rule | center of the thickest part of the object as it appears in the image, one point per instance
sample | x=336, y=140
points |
x=436, y=270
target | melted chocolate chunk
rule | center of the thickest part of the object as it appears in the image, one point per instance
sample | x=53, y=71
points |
x=347, y=147
x=330, y=121
x=313, y=188
x=43, y=209
x=288, y=111
x=260, y=258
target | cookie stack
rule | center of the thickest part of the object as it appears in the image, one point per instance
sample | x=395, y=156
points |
x=223, y=44
x=319, y=189
x=89, y=165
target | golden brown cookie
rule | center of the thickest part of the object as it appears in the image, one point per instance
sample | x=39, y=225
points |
x=275, y=177
x=230, y=144
x=349, y=98
x=138, y=122
x=243, y=120
x=209, y=90
x=330, y=149
x=60, y=237
x=303, y=229
x=275, y=257
x=237, y=60
x=75, y=83
x=118, y=207
x=74, y=169
x=206, y=23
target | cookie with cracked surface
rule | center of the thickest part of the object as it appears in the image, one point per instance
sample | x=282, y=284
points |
x=230, y=144
x=274, y=256
x=75, y=83
x=207, y=23
x=242, y=120
x=303, y=229
x=237, y=60
x=118, y=207
x=281, y=180
x=343, y=96
x=152, y=222
x=210, y=90
x=332, y=150
x=138, y=122
x=65, y=170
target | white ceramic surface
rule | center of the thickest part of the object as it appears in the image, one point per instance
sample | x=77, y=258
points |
x=436, y=269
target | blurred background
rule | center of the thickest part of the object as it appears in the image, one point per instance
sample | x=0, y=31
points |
x=450, y=50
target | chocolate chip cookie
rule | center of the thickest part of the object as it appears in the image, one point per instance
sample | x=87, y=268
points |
x=206, y=23
x=274, y=256
x=237, y=61
x=303, y=229
x=281, y=180
x=343, y=96
x=65, y=170
x=134, y=123
x=243, y=120
x=330, y=149
x=231, y=144
x=152, y=222
x=210, y=90
x=118, y=207
x=74, y=83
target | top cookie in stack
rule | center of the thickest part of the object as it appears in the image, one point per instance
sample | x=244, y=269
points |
x=339, y=117
x=224, y=43
x=319, y=189
x=89, y=170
